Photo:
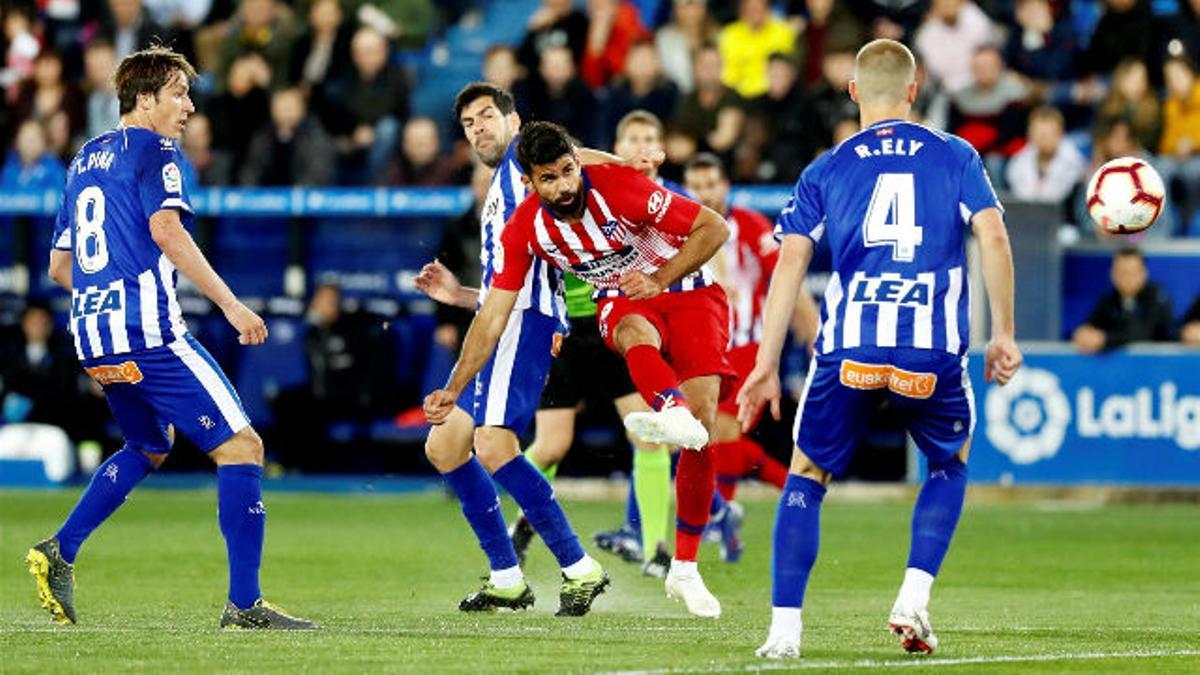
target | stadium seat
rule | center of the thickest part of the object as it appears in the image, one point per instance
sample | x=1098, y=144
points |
x=278, y=364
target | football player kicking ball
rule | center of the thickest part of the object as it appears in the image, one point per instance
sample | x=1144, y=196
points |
x=643, y=249
x=894, y=201
x=118, y=242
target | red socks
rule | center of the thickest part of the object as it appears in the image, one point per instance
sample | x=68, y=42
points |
x=744, y=458
x=655, y=380
x=694, y=480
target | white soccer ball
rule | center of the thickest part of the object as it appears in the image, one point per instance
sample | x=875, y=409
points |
x=1126, y=195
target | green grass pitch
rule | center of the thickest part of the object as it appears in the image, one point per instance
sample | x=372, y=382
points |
x=1027, y=588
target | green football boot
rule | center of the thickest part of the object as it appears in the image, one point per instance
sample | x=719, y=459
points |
x=576, y=596
x=489, y=598
x=55, y=579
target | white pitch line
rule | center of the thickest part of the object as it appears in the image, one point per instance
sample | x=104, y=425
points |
x=917, y=662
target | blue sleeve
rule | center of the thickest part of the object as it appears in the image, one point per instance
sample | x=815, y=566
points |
x=160, y=180
x=976, y=188
x=804, y=213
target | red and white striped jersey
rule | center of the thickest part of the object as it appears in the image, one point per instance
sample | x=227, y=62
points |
x=750, y=256
x=629, y=223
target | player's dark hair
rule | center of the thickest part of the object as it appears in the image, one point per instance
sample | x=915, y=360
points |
x=542, y=143
x=477, y=90
x=1129, y=252
x=146, y=72
x=706, y=160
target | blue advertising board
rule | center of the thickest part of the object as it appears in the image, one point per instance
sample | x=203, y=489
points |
x=1125, y=417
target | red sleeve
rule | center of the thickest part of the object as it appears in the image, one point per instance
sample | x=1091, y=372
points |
x=515, y=253
x=642, y=201
x=760, y=237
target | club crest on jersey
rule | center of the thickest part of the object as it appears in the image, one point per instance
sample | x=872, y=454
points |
x=890, y=290
x=172, y=178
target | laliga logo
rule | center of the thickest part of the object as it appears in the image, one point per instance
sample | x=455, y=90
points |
x=1028, y=419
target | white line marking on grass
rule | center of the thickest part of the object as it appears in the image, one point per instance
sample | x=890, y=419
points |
x=918, y=662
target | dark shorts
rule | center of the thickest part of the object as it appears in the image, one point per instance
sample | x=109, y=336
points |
x=585, y=369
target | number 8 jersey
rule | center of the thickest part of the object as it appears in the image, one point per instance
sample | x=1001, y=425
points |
x=123, y=297
x=893, y=201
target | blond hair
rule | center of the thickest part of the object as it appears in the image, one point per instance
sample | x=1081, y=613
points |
x=883, y=70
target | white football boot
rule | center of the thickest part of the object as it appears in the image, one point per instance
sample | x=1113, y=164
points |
x=674, y=426
x=684, y=583
x=913, y=628
x=779, y=647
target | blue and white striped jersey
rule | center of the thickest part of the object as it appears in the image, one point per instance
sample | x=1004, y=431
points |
x=543, y=289
x=123, y=298
x=893, y=201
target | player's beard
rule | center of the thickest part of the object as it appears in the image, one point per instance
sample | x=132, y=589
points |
x=570, y=205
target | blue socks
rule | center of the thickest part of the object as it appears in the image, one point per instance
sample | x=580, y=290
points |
x=796, y=537
x=633, y=516
x=936, y=514
x=111, y=484
x=243, y=520
x=718, y=504
x=481, y=506
x=534, y=495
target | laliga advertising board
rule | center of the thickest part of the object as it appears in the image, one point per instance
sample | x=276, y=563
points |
x=1130, y=417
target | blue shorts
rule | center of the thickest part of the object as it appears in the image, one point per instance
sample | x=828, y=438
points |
x=508, y=389
x=929, y=390
x=176, y=384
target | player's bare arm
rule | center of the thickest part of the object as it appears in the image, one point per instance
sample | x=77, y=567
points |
x=647, y=160
x=177, y=244
x=480, y=342
x=61, y=263
x=1003, y=357
x=439, y=283
x=806, y=321
x=762, y=385
x=708, y=233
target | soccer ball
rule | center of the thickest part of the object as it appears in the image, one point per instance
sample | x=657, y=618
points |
x=1125, y=196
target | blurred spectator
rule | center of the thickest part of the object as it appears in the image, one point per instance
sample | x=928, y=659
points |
x=613, y=27
x=932, y=107
x=1039, y=47
x=823, y=26
x=1049, y=167
x=747, y=43
x=374, y=106
x=558, y=95
x=261, y=27
x=421, y=161
x=1115, y=138
x=1135, y=310
x=29, y=166
x=242, y=109
x=322, y=52
x=1179, y=149
x=1132, y=99
x=1190, y=332
x=293, y=150
x=46, y=94
x=643, y=87
x=22, y=45
x=555, y=24
x=830, y=100
x=39, y=376
x=1124, y=32
x=784, y=116
x=178, y=14
x=103, y=108
x=990, y=113
x=712, y=114
x=500, y=67
x=690, y=28
x=950, y=35
x=407, y=23
x=459, y=251
x=207, y=165
x=128, y=28
x=1180, y=34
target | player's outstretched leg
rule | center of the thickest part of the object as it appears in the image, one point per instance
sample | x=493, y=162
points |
x=935, y=517
x=583, y=577
x=243, y=518
x=51, y=562
x=794, y=552
x=670, y=421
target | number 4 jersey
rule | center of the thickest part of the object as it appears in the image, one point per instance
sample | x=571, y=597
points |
x=123, y=297
x=893, y=201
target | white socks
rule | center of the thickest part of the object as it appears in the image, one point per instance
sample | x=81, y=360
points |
x=687, y=569
x=507, y=578
x=785, y=623
x=581, y=568
x=914, y=592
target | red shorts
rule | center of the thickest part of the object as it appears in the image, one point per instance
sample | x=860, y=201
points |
x=742, y=359
x=693, y=325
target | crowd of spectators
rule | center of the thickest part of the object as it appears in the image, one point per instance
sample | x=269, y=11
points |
x=312, y=92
